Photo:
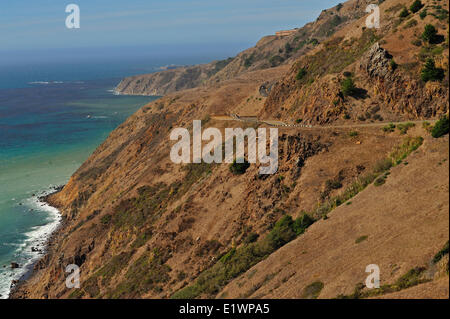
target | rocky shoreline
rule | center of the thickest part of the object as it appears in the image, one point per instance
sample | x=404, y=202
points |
x=17, y=291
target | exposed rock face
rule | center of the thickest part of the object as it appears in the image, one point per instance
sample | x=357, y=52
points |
x=376, y=61
x=265, y=89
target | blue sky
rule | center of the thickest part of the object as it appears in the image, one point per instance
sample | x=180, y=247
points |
x=35, y=25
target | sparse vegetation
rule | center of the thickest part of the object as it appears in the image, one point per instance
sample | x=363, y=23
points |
x=411, y=23
x=239, y=168
x=348, y=88
x=389, y=128
x=238, y=260
x=361, y=239
x=441, y=253
x=382, y=165
x=313, y=290
x=416, y=6
x=409, y=145
x=430, y=34
x=393, y=65
x=379, y=181
x=404, y=127
x=144, y=275
x=404, y=13
x=430, y=72
x=441, y=127
x=300, y=74
x=423, y=14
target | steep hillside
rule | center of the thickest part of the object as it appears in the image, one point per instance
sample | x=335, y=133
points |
x=346, y=194
x=367, y=75
x=385, y=225
x=270, y=51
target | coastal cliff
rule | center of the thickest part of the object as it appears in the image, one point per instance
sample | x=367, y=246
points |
x=270, y=51
x=351, y=189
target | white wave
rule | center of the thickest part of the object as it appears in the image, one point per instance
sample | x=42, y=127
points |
x=36, y=237
x=46, y=82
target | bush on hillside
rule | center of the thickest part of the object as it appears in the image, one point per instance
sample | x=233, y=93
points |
x=300, y=74
x=239, y=168
x=430, y=34
x=348, y=87
x=404, y=13
x=416, y=6
x=441, y=127
x=430, y=72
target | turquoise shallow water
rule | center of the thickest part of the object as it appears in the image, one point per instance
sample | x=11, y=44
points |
x=46, y=132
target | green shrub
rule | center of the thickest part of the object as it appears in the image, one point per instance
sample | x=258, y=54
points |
x=404, y=13
x=382, y=165
x=298, y=121
x=313, y=290
x=300, y=74
x=389, y=128
x=416, y=6
x=251, y=238
x=353, y=133
x=429, y=34
x=393, y=65
x=276, y=60
x=239, y=168
x=348, y=87
x=333, y=184
x=404, y=127
x=379, y=181
x=105, y=219
x=348, y=74
x=441, y=253
x=411, y=278
x=282, y=232
x=409, y=145
x=441, y=127
x=430, y=72
x=302, y=223
x=423, y=14
x=361, y=239
x=249, y=61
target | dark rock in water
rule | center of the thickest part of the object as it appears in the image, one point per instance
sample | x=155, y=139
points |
x=14, y=282
x=14, y=265
x=33, y=249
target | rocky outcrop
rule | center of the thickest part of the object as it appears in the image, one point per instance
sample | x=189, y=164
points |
x=376, y=62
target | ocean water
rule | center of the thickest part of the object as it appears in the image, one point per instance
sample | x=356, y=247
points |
x=47, y=130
